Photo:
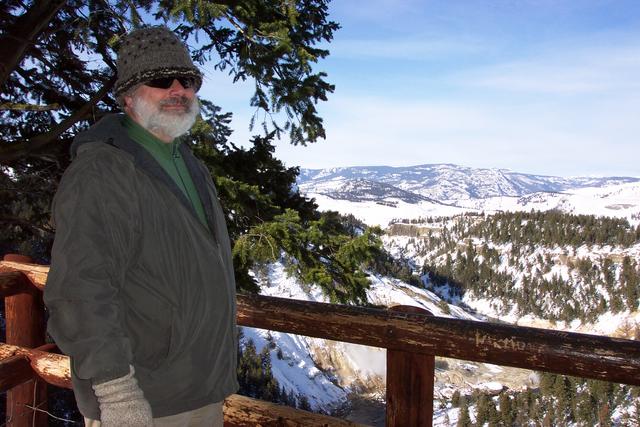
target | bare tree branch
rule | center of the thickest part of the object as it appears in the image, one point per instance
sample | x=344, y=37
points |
x=28, y=107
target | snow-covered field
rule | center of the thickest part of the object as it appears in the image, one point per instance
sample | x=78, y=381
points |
x=373, y=213
x=619, y=201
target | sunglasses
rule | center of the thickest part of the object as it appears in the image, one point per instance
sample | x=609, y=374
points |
x=166, y=82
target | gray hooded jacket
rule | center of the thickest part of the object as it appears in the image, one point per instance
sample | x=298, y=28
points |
x=137, y=279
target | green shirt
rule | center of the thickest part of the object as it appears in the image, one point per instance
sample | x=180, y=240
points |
x=169, y=157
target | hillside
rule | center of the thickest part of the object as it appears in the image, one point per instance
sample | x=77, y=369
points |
x=335, y=377
x=548, y=266
x=345, y=378
x=537, y=251
x=327, y=372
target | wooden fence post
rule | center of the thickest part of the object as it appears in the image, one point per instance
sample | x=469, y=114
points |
x=410, y=381
x=25, y=326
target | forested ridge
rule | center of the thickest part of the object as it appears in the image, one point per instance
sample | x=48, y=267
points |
x=553, y=265
x=558, y=401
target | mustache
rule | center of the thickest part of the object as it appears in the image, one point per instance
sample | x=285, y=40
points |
x=176, y=100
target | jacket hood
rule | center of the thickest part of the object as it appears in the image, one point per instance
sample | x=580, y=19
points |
x=106, y=128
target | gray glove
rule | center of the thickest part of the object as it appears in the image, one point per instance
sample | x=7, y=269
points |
x=122, y=403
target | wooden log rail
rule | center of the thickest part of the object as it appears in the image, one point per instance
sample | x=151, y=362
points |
x=24, y=326
x=569, y=353
x=411, y=338
x=17, y=365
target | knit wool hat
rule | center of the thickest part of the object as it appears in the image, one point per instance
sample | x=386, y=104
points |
x=150, y=53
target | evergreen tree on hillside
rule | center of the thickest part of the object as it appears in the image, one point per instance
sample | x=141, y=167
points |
x=483, y=411
x=553, y=227
x=250, y=373
x=506, y=410
x=455, y=398
x=303, y=402
x=630, y=282
x=464, y=419
x=256, y=377
x=269, y=387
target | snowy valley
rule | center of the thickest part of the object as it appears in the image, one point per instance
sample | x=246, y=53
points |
x=470, y=256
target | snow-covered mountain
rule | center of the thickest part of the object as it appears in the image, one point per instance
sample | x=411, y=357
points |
x=380, y=194
x=362, y=189
x=447, y=182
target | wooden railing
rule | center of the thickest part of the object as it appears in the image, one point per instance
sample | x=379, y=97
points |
x=412, y=338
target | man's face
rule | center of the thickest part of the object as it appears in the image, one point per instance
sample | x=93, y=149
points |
x=167, y=113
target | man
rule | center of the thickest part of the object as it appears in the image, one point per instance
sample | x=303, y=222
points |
x=141, y=293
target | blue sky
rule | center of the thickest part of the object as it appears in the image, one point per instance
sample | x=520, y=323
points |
x=538, y=86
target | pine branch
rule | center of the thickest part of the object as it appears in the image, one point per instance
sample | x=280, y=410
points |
x=247, y=37
x=49, y=91
x=12, y=152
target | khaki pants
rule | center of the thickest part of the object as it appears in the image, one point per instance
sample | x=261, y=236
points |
x=207, y=416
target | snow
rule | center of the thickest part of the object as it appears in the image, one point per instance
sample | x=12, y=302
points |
x=455, y=189
x=300, y=368
x=621, y=201
x=296, y=370
x=492, y=387
x=375, y=214
x=279, y=284
x=326, y=371
x=390, y=292
x=493, y=368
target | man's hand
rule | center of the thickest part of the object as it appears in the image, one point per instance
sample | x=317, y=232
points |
x=122, y=403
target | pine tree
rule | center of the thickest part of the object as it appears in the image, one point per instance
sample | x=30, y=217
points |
x=303, y=402
x=51, y=91
x=273, y=43
x=494, y=416
x=630, y=282
x=564, y=392
x=255, y=375
x=455, y=399
x=506, y=410
x=604, y=416
x=464, y=419
x=482, y=409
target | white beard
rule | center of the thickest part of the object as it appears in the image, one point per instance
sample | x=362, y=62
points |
x=157, y=121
